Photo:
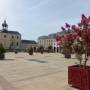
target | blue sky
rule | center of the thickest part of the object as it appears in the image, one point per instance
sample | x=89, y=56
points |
x=33, y=18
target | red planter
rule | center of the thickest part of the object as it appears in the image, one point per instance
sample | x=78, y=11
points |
x=79, y=77
x=85, y=74
x=74, y=76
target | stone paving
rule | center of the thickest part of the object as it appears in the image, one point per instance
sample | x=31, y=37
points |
x=38, y=72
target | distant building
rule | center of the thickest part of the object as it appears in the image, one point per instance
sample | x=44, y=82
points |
x=47, y=41
x=9, y=39
x=26, y=44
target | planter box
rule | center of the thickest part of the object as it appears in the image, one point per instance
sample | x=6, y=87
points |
x=79, y=77
x=74, y=77
x=85, y=77
x=30, y=53
x=68, y=56
x=2, y=56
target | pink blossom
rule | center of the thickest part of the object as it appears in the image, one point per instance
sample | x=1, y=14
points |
x=63, y=28
x=67, y=25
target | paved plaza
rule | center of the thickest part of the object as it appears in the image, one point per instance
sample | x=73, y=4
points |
x=38, y=72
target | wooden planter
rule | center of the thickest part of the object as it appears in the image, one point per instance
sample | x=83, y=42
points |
x=2, y=56
x=67, y=53
x=30, y=53
x=85, y=76
x=16, y=52
x=79, y=77
x=74, y=77
x=68, y=56
x=41, y=51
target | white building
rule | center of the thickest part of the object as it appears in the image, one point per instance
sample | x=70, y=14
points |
x=27, y=44
x=47, y=41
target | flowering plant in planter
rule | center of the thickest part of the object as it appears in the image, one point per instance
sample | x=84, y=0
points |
x=79, y=40
x=79, y=75
x=66, y=40
x=30, y=51
x=49, y=48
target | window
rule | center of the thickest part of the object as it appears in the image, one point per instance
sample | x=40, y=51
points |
x=17, y=43
x=12, y=43
x=17, y=37
x=12, y=36
x=5, y=36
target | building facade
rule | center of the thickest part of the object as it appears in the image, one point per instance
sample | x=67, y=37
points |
x=27, y=44
x=9, y=39
x=47, y=41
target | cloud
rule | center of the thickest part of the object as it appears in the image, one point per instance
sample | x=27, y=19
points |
x=39, y=4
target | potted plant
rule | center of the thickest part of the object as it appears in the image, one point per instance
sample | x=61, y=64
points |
x=49, y=49
x=2, y=51
x=30, y=51
x=16, y=51
x=65, y=41
x=41, y=48
x=79, y=75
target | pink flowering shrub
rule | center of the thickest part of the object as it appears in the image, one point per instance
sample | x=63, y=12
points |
x=77, y=37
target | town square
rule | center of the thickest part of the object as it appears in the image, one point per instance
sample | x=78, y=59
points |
x=44, y=45
x=37, y=72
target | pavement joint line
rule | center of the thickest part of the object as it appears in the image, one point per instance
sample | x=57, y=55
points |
x=38, y=76
x=6, y=85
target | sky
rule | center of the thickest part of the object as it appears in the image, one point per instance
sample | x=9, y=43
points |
x=34, y=18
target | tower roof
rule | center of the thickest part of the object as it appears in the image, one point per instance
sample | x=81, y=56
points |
x=5, y=29
x=4, y=24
